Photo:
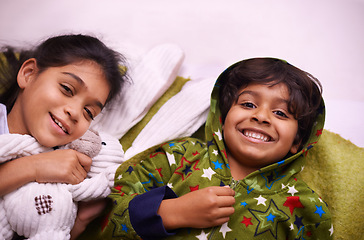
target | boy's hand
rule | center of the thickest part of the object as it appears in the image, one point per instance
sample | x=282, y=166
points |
x=202, y=208
x=63, y=166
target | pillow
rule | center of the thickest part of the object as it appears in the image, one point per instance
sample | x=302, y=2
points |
x=128, y=139
x=179, y=117
x=150, y=78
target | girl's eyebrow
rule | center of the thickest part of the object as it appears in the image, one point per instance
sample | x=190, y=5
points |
x=82, y=83
x=74, y=76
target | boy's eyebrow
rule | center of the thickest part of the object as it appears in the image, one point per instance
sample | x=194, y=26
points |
x=247, y=92
x=82, y=83
x=278, y=100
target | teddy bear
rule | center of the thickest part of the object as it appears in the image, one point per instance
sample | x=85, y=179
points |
x=41, y=211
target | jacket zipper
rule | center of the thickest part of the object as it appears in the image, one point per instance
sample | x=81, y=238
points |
x=234, y=183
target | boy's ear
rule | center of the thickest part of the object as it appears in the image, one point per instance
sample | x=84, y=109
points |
x=296, y=144
x=294, y=148
x=27, y=72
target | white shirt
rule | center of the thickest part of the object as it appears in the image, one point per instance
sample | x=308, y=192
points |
x=3, y=120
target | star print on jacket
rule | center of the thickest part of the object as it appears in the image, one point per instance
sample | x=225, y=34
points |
x=270, y=203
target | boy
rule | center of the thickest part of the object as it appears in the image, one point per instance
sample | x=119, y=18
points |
x=240, y=183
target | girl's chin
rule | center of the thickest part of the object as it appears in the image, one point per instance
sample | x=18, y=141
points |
x=49, y=142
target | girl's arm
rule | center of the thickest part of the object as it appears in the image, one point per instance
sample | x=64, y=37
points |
x=87, y=211
x=64, y=166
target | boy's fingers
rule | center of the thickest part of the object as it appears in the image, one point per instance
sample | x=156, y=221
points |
x=226, y=211
x=225, y=191
x=225, y=196
x=226, y=201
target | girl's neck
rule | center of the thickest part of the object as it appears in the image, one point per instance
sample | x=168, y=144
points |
x=14, y=121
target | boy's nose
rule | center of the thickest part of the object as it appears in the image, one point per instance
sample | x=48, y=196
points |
x=261, y=116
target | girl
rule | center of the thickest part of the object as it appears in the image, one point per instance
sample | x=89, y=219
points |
x=53, y=93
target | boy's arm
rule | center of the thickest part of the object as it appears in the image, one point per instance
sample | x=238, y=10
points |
x=144, y=207
x=66, y=166
x=144, y=215
x=140, y=186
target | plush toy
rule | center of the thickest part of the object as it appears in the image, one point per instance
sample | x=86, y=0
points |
x=41, y=211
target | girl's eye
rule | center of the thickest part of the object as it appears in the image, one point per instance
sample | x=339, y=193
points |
x=67, y=90
x=89, y=113
x=281, y=114
x=248, y=105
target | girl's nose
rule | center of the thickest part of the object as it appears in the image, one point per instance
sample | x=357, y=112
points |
x=73, y=112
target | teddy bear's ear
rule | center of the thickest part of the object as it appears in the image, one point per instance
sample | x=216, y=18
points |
x=89, y=143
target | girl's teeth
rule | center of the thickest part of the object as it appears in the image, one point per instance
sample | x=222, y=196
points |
x=60, y=125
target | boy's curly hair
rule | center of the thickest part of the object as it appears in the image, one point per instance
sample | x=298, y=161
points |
x=305, y=90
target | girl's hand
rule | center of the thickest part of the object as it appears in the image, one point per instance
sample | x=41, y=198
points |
x=63, y=166
x=87, y=211
x=207, y=207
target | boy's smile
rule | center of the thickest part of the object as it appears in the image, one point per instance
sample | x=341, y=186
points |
x=256, y=135
x=258, y=129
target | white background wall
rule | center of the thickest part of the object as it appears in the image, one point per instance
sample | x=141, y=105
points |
x=323, y=37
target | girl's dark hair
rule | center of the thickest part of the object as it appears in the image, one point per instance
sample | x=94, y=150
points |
x=304, y=89
x=60, y=51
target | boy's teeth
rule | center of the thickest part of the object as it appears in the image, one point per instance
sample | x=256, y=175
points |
x=60, y=125
x=256, y=135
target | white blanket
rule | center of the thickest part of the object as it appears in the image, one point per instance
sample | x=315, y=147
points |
x=48, y=210
x=180, y=116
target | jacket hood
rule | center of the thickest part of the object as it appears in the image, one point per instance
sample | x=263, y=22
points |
x=264, y=178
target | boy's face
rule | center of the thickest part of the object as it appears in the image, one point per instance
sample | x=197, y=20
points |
x=57, y=105
x=258, y=128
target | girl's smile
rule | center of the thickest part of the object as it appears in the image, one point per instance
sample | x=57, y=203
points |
x=57, y=105
x=59, y=124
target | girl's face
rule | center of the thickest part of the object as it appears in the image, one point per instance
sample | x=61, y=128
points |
x=258, y=128
x=57, y=105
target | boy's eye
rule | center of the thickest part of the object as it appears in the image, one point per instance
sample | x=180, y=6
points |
x=89, y=113
x=248, y=105
x=281, y=114
x=67, y=89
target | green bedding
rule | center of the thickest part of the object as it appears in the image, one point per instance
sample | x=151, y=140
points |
x=333, y=169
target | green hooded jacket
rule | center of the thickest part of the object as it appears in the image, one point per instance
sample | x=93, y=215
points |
x=271, y=203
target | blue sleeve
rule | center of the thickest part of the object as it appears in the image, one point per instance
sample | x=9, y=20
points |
x=143, y=213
